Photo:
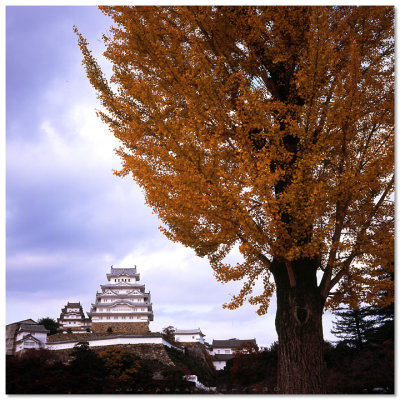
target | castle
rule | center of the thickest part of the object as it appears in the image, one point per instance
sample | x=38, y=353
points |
x=122, y=305
x=120, y=315
x=72, y=319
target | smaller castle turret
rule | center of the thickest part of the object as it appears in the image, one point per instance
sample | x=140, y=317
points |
x=72, y=319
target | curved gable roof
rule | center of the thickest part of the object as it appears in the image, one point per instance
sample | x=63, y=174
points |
x=123, y=271
x=32, y=328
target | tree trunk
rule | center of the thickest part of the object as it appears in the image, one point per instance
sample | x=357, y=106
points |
x=299, y=327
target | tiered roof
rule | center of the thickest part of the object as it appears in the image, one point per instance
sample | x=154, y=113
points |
x=72, y=305
x=129, y=298
x=73, y=319
x=131, y=272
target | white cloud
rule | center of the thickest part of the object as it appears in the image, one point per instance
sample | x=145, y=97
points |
x=34, y=261
x=92, y=136
x=19, y=308
x=81, y=140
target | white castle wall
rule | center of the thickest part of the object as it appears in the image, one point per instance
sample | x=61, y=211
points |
x=110, y=342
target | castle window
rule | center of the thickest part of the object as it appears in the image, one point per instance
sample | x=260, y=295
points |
x=29, y=344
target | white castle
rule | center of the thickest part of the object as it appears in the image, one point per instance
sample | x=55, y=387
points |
x=123, y=305
x=120, y=315
x=72, y=319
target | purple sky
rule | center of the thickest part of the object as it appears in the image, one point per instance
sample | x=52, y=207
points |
x=68, y=218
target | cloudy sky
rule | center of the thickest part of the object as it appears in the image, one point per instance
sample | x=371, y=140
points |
x=68, y=218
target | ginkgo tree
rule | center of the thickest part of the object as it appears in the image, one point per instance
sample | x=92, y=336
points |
x=267, y=129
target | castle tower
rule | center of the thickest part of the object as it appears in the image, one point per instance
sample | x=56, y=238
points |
x=122, y=305
x=72, y=318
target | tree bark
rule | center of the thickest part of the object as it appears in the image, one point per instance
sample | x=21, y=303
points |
x=299, y=327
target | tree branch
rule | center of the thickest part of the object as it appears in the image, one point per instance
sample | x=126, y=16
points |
x=329, y=284
x=289, y=269
x=340, y=214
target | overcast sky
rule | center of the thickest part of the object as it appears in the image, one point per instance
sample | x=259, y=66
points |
x=68, y=218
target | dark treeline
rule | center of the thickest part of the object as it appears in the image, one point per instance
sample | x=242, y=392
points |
x=349, y=370
x=115, y=370
x=361, y=362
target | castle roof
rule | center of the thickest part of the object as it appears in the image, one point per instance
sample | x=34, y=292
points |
x=65, y=313
x=189, y=332
x=232, y=343
x=123, y=313
x=122, y=286
x=74, y=305
x=138, y=292
x=222, y=357
x=32, y=328
x=123, y=271
x=24, y=321
x=122, y=301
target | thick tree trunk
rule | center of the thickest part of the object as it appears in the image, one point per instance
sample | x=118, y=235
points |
x=299, y=327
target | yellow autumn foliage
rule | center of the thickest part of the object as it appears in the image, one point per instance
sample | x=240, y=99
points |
x=267, y=128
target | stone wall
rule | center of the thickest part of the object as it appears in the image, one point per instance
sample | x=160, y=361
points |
x=133, y=328
x=198, y=351
x=144, y=351
x=10, y=338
